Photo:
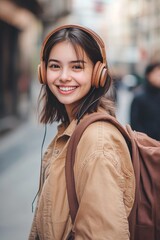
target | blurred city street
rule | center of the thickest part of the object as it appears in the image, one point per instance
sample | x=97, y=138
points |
x=131, y=39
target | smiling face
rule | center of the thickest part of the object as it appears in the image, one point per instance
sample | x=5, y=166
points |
x=68, y=75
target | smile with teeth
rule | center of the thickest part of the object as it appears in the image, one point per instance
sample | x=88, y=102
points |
x=67, y=88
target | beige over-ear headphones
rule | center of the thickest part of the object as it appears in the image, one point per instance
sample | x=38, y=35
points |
x=100, y=70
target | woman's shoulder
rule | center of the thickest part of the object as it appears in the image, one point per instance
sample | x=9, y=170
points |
x=102, y=128
x=100, y=134
x=103, y=136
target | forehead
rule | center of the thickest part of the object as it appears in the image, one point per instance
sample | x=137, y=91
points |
x=69, y=49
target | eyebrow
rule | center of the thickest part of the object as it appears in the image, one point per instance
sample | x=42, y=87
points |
x=74, y=61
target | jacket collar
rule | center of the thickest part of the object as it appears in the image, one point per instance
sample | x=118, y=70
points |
x=67, y=131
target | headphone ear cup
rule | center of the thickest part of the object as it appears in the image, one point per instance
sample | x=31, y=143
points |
x=42, y=73
x=103, y=77
x=99, y=75
x=39, y=74
x=95, y=79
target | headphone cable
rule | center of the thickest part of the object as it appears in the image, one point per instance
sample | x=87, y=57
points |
x=80, y=115
x=42, y=145
x=79, y=118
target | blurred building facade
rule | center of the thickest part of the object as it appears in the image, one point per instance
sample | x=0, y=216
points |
x=133, y=34
x=21, y=29
x=145, y=22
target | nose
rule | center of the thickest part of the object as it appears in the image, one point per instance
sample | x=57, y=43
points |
x=65, y=75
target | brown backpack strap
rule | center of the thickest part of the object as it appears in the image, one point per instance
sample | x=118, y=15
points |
x=136, y=167
x=70, y=158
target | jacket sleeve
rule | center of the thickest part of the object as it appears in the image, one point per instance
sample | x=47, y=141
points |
x=100, y=188
x=33, y=233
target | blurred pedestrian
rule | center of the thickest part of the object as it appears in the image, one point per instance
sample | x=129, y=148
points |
x=75, y=79
x=145, y=107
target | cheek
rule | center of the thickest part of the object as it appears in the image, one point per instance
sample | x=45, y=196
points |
x=86, y=78
x=50, y=77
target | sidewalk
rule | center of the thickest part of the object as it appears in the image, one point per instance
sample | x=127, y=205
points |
x=20, y=157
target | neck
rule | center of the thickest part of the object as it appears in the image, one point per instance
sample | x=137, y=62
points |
x=69, y=113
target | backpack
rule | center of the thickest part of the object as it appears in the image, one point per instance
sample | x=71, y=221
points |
x=144, y=218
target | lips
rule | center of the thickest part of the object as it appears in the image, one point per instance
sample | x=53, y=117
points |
x=66, y=89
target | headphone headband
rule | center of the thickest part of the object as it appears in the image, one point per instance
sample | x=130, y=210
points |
x=85, y=29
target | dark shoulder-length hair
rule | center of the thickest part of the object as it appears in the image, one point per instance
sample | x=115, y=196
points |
x=50, y=108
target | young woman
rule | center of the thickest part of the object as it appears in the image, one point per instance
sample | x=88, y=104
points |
x=75, y=79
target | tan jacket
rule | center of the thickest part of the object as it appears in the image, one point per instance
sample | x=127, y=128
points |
x=105, y=187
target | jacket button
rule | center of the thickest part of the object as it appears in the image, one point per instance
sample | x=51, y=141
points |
x=56, y=151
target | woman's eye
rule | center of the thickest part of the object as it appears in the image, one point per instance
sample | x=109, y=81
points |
x=77, y=67
x=54, y=66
